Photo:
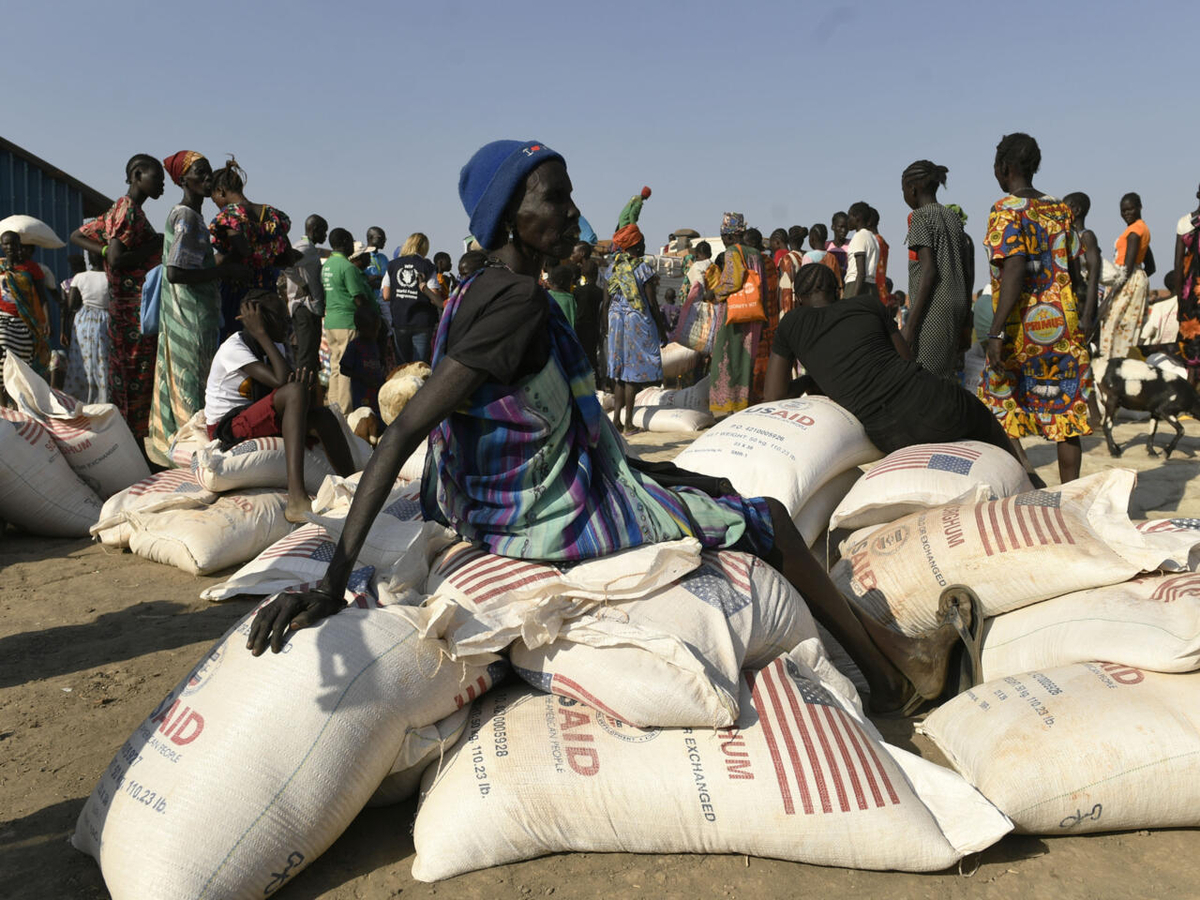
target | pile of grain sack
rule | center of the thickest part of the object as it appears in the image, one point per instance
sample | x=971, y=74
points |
x=684, y=699
x=74, y=469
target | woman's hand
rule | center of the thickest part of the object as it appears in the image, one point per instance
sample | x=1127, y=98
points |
x=995, y=351
x=251, y=318
x=286, y=613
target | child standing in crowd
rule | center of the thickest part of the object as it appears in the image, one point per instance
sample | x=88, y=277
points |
x=559, y=280
x=252, y=392
x=362, y=362
x=446, y=281
x=670, y=309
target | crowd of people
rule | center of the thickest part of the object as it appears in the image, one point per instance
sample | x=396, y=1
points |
x=352, y=314
x=263, y=334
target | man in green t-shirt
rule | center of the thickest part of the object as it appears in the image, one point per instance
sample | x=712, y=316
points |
x=346, y=289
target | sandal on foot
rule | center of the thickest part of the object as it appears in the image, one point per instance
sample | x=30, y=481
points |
x=960, y=607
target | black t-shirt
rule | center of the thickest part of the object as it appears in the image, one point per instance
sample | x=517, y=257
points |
x=502, y=326
x=410, y=308
x=847, y=349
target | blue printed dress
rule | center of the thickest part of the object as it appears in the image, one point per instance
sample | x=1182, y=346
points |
x=633, y=342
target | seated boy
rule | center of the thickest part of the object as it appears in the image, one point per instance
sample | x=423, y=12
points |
x=361, y=362
x=252, y=392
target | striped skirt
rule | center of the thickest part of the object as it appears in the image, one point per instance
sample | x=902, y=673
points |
x=15, y=339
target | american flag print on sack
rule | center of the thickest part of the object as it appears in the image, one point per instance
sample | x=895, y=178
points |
x=940, y=457
x=709, y=586
x=69, y=429
x=822, y=758
x=172, y=481
x=1032, y=519
x=306, y=542
x=484, y=577
x=255, y=444
x=1154, y=526
x=28, y=429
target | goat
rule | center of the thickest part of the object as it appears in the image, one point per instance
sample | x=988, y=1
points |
x=1133, y=384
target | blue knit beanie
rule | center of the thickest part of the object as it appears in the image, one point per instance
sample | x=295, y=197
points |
x=488, y=181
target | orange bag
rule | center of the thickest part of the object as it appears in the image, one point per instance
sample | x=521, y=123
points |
x=746, y=305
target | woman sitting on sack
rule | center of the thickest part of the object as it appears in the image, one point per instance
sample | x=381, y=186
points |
x=522, y=459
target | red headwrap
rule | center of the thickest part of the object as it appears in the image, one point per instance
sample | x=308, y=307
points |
x=177, y=164
x=645, y=193
x=627, y=237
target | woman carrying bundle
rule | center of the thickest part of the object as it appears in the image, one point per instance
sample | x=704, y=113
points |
x=523, y=461
x=24, y=325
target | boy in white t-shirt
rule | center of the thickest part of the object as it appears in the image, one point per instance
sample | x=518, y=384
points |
x=253, y=392
x=862, y=253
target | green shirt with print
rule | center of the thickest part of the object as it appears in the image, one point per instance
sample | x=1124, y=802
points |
x=343, y=281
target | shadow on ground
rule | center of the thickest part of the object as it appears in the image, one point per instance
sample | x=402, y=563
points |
x=112, y=637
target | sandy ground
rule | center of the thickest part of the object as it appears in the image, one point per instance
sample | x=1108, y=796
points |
x=91, y=640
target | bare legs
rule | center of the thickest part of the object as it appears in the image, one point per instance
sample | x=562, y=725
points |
x=623, y=397
x=790, y=556
x=895, y=666
x=1070, y=455
x=296, y=417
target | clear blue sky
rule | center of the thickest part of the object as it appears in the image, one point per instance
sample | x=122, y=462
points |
x=785, y=111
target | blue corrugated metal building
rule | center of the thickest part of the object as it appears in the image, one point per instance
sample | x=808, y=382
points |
x=31, y=186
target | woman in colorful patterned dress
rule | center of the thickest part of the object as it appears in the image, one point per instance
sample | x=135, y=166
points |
x=770, y=301
x=522, y=460
x=250, y=233
x=1038, y=375
x=189, y=307
x=130, y=247
x=789, y=268
x=636, y=330
x=1187, y=282
x=734, y=347
x=23, y=320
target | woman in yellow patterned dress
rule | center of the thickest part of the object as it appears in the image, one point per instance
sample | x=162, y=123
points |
x=1038, y=376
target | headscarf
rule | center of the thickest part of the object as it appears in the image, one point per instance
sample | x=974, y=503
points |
x=955, y=208
x=177, y=164
x=628, y=237
x=623, y=280
x=490, y=178
x=732, y=223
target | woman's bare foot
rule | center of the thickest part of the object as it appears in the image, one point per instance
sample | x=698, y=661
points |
x=298, y=509
x=923, y=660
